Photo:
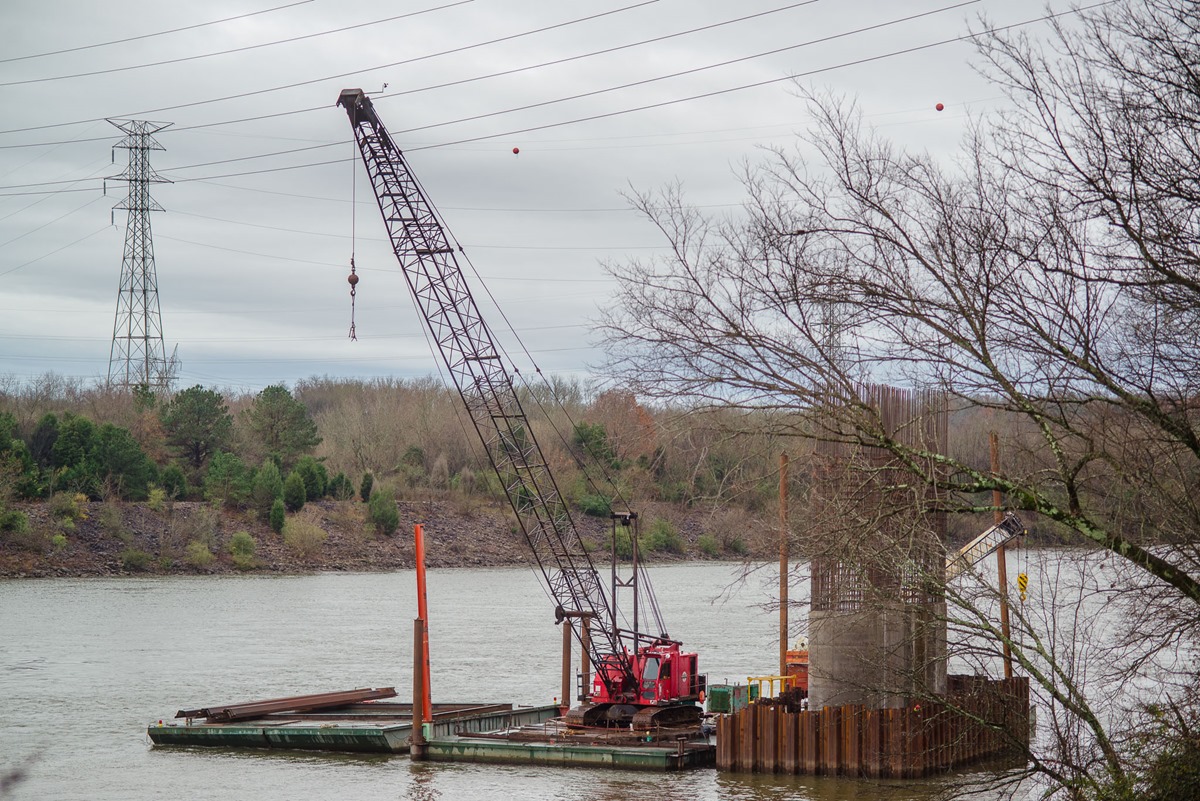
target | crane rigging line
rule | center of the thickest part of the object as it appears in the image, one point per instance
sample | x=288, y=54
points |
x=596, y=461
x=610, y=114
x=607, y=603
x=508, y=324
x=243, y=49
x=152, y=35
x=412, y=60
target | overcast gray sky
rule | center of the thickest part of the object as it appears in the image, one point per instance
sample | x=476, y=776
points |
x=253, y=249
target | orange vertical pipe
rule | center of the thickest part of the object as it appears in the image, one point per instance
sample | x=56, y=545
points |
x=423, y=614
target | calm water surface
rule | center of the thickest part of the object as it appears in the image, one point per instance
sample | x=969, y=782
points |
x=86, y=664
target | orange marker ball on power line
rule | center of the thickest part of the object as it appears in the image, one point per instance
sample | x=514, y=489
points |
x=939, y=107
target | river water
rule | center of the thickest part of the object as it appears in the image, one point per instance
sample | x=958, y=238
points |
x=86, y=664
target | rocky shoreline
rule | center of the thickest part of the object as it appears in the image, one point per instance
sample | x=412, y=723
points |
x=113, y=539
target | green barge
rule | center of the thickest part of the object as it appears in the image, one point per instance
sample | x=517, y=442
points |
x=334, y=722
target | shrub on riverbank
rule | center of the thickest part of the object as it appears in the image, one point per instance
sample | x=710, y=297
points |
x=241, y=549
x=382, y=508
x=303, y=536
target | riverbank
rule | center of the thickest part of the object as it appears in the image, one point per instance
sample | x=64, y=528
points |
x=110, y=539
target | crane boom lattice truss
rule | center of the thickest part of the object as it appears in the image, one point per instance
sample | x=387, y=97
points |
x=138, y=355
x=477, y=368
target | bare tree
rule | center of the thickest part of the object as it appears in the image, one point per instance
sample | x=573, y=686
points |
x=1051, y=275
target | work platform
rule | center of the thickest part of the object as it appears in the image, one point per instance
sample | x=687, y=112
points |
x=551, y=743
x=336, y=725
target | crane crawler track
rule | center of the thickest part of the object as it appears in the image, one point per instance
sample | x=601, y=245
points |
x=639, y=718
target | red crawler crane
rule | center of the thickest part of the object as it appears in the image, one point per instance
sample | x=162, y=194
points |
x=641, y=678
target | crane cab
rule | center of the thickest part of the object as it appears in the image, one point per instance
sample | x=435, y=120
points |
x=665, y=675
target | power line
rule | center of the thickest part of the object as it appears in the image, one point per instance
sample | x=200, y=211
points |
x=513, y=71
x=630, y=110
x=693, y=71
x=428, y=56
x=578, y=96
x=379, y=239
x=213, y=54
x=556, y=210
x=338, y=265
x=51, y=222
x=502, y=73
x=151, y=35
x=608, y=89
x=56, y=250
x=240, y=338
x=756, y=84
x=46, y=197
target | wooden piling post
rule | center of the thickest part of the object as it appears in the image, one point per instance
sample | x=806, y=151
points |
x=790, y=744
x=746, y=740
x=724, y=743
x=913, y=741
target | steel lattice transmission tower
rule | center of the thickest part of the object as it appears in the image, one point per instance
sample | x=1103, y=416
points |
x=138, y=355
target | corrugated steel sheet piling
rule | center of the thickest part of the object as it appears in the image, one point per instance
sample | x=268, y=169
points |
x=979, y=720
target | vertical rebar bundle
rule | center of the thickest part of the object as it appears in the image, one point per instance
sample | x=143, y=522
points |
x=138, y=356
x=904, y=527
x=877, y=632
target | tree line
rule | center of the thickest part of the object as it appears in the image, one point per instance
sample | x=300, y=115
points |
x=280, y=448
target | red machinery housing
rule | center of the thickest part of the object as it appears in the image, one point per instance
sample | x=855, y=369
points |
x=666, y=675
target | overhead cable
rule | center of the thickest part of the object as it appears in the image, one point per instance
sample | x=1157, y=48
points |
x=182, y=59
x=331, y=77
x=151, y=35
x=630, y=110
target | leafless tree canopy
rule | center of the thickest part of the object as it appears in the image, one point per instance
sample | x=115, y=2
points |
x=1050, y=273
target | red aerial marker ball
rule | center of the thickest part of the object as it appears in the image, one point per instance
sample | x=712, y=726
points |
x=516, y=150
x=939, y=107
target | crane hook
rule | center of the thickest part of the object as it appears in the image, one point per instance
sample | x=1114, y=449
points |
x=352, y=279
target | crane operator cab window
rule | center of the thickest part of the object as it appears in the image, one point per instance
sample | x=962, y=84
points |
x=649, y=678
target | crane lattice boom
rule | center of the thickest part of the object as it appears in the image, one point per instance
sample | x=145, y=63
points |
x=477, y=369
